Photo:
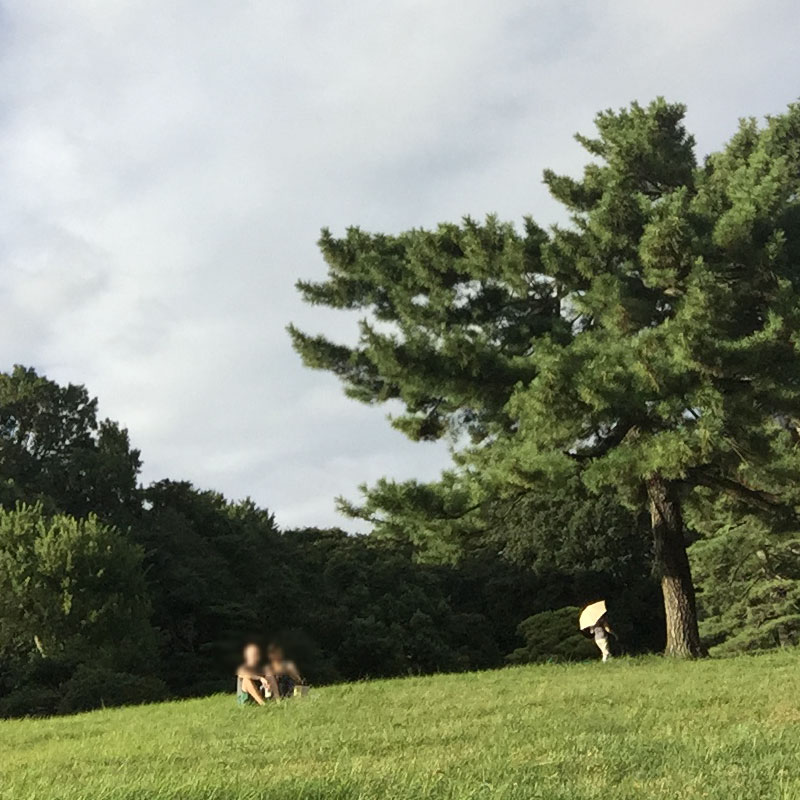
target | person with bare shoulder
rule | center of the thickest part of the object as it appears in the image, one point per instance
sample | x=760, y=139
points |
x=282, y=671
x=254, y=684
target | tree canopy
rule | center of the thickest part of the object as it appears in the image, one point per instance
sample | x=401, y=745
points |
x=648, y=346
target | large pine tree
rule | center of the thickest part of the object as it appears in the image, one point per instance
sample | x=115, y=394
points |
x=650, y=345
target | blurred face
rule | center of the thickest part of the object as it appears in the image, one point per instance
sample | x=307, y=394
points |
x=275, y=653
x=252, y=655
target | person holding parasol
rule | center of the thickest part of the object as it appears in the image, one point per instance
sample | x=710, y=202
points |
x=593, y=622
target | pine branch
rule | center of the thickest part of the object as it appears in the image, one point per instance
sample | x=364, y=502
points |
x=766, y=501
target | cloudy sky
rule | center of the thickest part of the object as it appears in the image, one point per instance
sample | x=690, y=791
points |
x=165, y=167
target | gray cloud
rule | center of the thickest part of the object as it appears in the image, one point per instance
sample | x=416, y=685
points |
x=166, y=167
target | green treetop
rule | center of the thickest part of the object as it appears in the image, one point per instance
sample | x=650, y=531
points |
x=649, y=346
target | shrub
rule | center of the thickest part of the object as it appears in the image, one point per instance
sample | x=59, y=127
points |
x=552, y=636
x=96, y=687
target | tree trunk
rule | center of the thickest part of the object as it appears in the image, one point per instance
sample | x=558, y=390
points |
x=672, y=563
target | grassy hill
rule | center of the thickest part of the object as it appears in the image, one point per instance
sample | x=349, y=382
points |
x=629, y=729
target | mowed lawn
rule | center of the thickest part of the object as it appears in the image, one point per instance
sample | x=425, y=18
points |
x=630, y=729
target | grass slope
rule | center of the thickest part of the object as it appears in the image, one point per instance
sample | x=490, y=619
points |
x=629, y=729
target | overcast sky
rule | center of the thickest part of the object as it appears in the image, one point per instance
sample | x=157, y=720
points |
x=165, y=168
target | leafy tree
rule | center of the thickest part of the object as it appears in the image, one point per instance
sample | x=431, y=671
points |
x=380, y=613
x=72, y=592
x=72, y=589
x=54, y=450
x=649, y=346
x=580, y=547
x=533, y=552
x=215, y=576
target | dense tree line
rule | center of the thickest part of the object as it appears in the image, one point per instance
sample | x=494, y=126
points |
x=111, y=592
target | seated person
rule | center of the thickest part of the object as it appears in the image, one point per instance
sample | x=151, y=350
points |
x=253, y=682
x=283, y=673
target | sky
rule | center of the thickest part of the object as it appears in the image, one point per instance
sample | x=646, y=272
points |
x=165, y=169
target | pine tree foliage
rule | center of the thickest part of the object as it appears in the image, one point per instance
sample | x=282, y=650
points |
x=748, y=569
x=452, y=315
x=649, y=346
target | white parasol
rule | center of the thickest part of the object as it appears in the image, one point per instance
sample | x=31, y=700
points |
x=591, y=614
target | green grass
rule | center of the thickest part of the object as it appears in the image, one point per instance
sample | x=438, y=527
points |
x=629, y=729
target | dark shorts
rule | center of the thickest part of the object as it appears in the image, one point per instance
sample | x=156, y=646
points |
x=285, y=686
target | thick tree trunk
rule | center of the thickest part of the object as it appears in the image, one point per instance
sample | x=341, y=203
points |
x=672, y=563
